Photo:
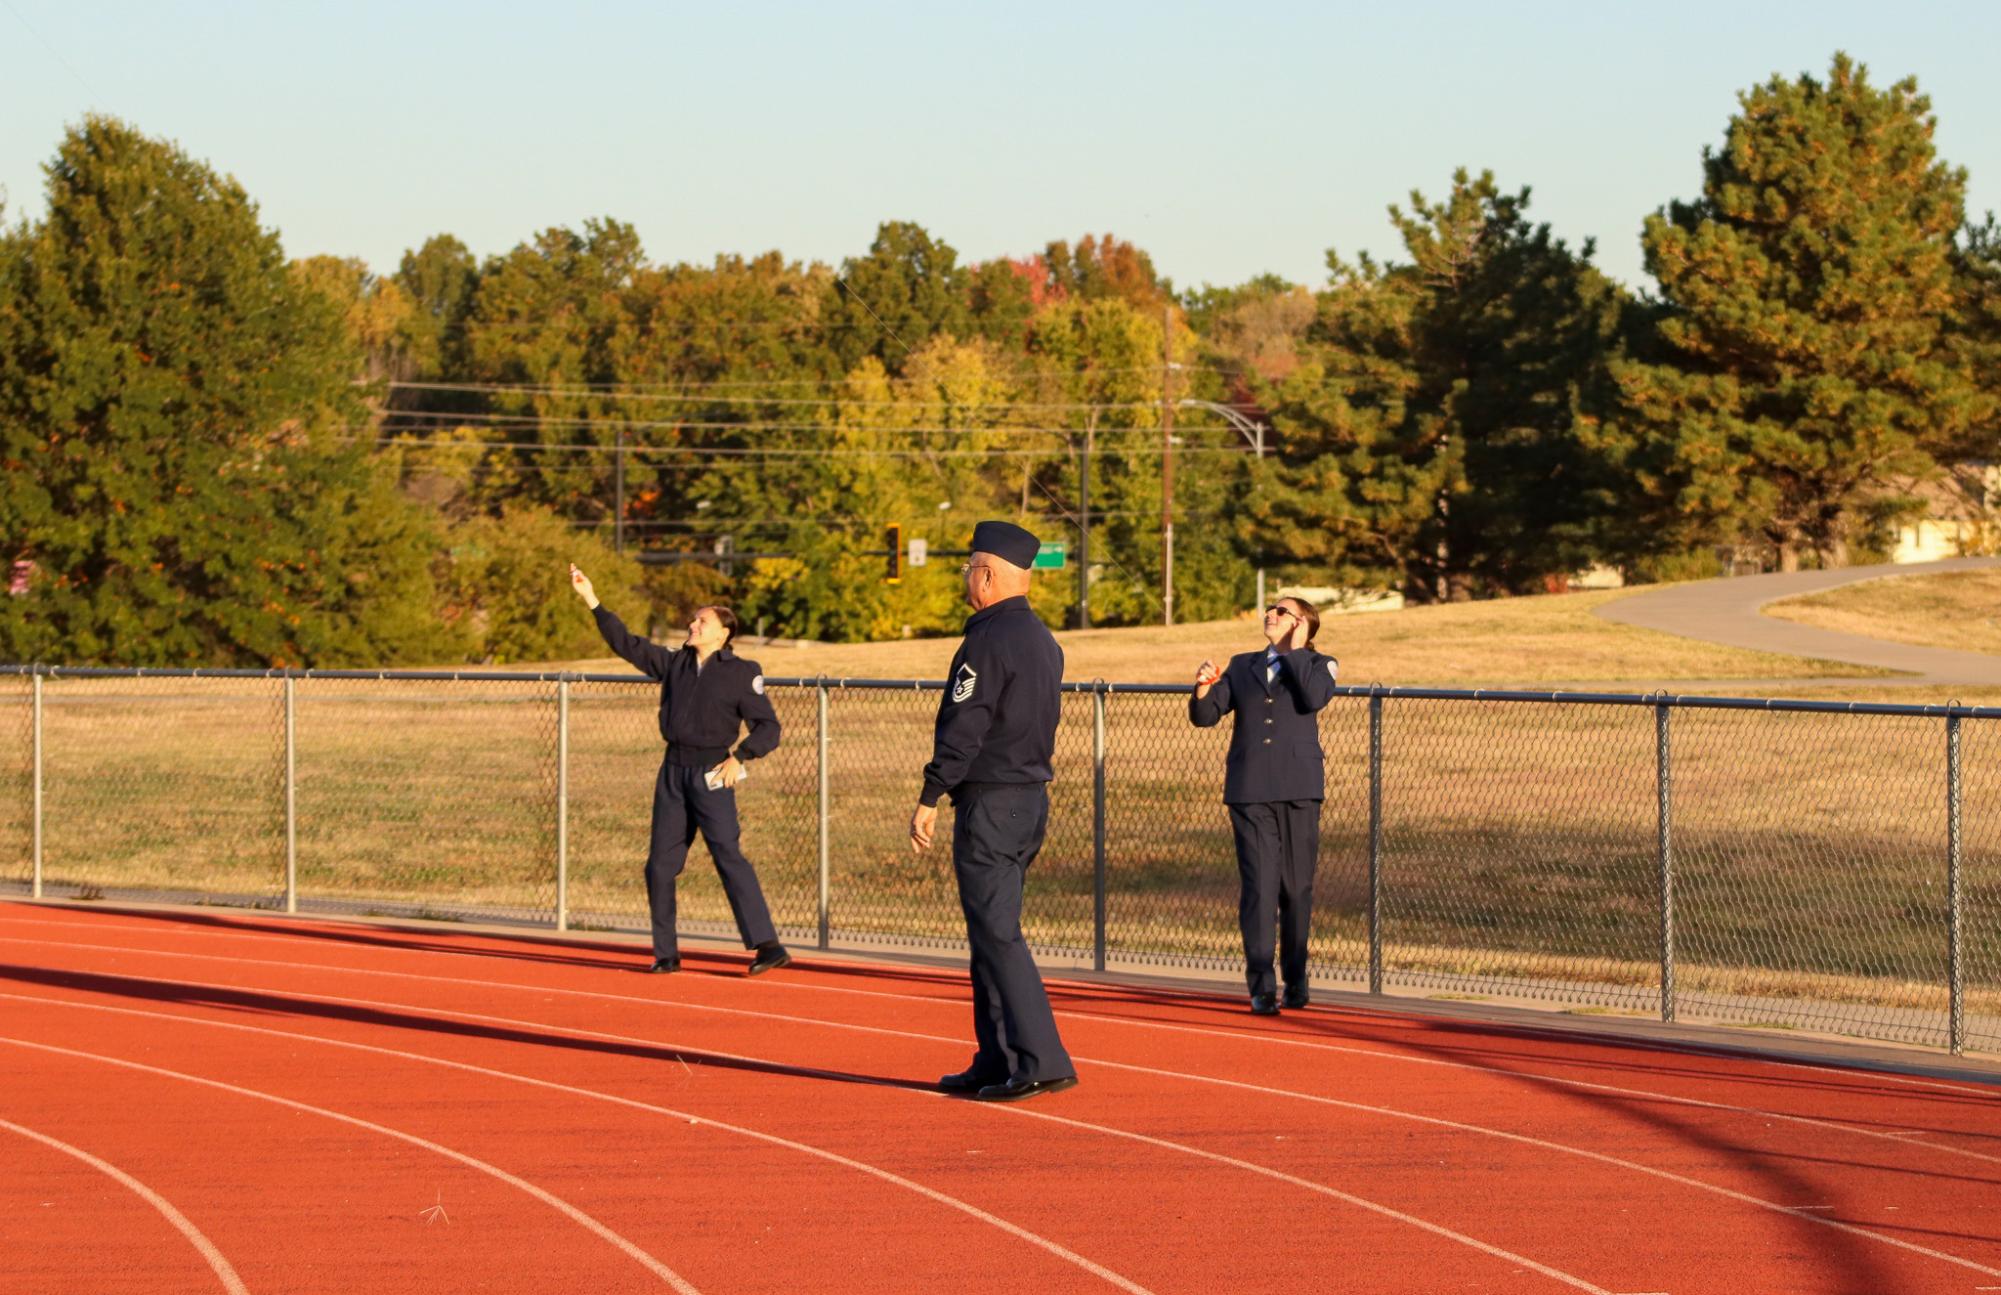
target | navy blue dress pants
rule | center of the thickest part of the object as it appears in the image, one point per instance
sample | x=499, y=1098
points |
x=1278, y=844
x=996, y=832
x=682, y=806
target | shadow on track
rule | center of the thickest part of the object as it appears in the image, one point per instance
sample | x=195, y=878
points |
x=265, y=1003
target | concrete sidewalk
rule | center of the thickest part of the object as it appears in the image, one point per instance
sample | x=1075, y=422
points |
x=1728, y=611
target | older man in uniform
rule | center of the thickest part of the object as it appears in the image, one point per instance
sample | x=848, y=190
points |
x=995, y=736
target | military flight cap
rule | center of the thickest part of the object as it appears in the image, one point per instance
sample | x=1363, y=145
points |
x=1006, y=541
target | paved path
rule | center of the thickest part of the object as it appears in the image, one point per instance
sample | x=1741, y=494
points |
x=1727, y=611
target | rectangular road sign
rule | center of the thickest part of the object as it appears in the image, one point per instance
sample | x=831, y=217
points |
x=919, y=551
x=1051, y=556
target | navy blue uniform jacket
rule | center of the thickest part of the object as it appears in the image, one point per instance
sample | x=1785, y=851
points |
x=997, y=719
x=1275, y=747
x=699, y=709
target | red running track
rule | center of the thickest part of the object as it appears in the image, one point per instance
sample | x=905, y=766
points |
x=193, y=1102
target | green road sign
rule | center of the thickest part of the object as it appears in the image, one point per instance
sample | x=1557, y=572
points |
x=1051, y=556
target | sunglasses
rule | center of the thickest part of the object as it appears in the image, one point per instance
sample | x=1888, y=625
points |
x=1276, y=610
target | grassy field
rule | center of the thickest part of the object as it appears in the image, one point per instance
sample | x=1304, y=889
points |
x=1960, y=610
x=1519, y=838
x=1517, y=640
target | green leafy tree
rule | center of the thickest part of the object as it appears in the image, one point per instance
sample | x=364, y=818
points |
x=896, y=450
x=557, y=314
x=1442, y=434
x=504, y=586
x=441, y=278
x=1809, y=376
x=891, y=301
x=177, y=424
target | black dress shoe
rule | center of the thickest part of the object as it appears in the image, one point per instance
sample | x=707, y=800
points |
x=768, y=956
x=1015, y=1090
x=663, y=965
x=1264, y=1004
x=970, y=1081
x=1296, y=998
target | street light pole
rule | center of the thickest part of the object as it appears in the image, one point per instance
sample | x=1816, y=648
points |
x=1252, y=431
x=618, y=495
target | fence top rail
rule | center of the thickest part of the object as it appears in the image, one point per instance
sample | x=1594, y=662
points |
x=1660, y=698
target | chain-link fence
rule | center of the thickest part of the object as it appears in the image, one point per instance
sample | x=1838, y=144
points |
x=1810, y=865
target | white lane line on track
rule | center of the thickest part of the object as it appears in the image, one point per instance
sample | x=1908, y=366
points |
x=223, y=1271
x=1239, y=1085
x=1668, y=1047
x=653, y=1265
x=1907, y=1139
x=1911, y=1137
x=703, y=1121
x=1561, y=1081
x=9, y=913
x=1248, y=1166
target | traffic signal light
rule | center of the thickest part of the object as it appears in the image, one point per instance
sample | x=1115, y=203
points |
x=894, y=571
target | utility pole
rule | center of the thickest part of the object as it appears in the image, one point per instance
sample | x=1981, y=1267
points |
x=1084, y=520
x=618, y=494
x=1167, y=465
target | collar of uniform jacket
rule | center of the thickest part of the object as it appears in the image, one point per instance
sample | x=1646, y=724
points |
x=988, y=613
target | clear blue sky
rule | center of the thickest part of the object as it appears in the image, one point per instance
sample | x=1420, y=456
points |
x=1226, y=139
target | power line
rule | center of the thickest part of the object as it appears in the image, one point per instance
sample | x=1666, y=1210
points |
x=753, y=452
x=846, y=287
x=732, y=525
x=427, y=421
x=586, y=392
x=735, y=383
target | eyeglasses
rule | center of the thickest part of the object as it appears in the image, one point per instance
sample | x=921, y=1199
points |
x=974, y=566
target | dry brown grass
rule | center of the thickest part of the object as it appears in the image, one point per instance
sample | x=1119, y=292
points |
x=1959, y=610
x=1516, y=640
x=1519, y=837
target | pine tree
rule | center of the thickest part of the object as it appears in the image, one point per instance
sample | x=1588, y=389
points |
x=1438, y=433
x=1806, y=294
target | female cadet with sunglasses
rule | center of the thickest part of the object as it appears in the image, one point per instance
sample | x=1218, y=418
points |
x=1273, y=781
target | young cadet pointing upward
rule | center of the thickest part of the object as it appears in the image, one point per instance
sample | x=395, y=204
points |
x=991, y=752
x=706, y=691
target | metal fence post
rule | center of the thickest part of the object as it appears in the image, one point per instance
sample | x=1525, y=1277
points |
x=1098, y=825
x=562, y=804
x=1664, y=852
x=1376, y=844
x=824, y=907
x=291, y=795
x=35, y=727
x=1954, y=967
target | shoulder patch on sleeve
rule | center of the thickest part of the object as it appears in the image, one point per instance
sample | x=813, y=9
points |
x=757, y=683
x=964, y=682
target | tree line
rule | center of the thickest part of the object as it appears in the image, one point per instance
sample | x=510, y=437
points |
x=215, y=455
